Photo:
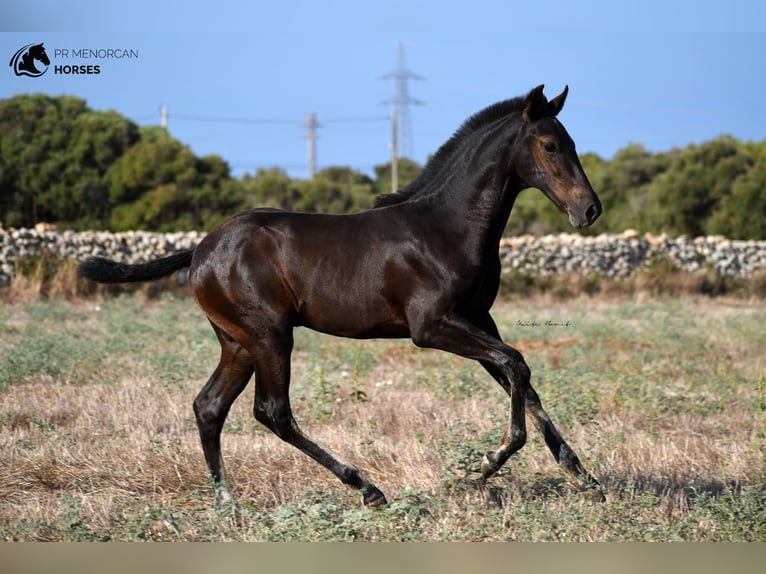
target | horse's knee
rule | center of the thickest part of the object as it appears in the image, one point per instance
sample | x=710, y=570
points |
x=520, y=372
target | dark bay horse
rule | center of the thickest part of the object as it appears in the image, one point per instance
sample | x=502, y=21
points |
x=423, y=264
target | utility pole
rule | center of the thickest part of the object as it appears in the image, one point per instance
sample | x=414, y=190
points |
x=164, y=116
x=311, y=136
x=394, y=157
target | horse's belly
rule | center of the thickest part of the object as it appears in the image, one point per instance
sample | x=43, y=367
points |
x=358, y=319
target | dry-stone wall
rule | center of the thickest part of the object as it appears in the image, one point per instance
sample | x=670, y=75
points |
x=621, y=255
x=17, y=245
x=603, y=255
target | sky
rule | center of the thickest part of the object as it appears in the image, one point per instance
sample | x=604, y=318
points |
x=239, y=79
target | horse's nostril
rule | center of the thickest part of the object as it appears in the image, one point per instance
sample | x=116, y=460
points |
x=591, y=213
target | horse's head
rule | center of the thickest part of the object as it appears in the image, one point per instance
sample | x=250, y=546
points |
x=546, y=159
x=23, y=61
x=38, y=52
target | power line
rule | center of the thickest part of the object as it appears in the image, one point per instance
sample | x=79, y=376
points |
x=224, y=120
x=273, y=121
x=361, y=120
x=310, y=124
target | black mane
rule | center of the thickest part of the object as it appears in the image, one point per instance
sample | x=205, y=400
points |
x=477, y=121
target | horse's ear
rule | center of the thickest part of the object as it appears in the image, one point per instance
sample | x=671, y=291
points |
x=536, y=104
x=557, y=103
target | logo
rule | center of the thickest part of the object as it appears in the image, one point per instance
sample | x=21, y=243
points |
x=32, y=60
x=24, y=61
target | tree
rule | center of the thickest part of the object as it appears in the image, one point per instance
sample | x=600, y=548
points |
x=740, y=214
x=681, y=199
x=160, y=184
x=97, y=140
x=336, y=190
x=270, y=187
x=621, y=184
x=65, y=163
x=407, y=171
x=54, y=153
x=332, y=190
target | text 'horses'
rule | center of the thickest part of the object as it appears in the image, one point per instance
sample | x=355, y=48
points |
x=423, y=264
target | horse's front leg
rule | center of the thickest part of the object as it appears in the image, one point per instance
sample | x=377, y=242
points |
x=461, y=337
x=562, y=452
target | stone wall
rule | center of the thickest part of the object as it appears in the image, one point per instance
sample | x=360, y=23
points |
x=16, y=245
x=622, y=255
x=611, y=256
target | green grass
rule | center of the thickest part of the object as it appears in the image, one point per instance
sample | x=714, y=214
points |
x=662, y=399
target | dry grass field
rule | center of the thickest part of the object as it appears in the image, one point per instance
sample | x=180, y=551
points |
x=664, y=400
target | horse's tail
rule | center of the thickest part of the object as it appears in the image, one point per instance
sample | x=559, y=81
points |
x=104, y=270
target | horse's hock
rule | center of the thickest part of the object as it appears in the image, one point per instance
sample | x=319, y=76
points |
x=612, y=256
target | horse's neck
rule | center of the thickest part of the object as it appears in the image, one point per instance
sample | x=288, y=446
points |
x=474, y=221
x=471, y=197
x=485, y=193
x=499, y=220
x=28, y=61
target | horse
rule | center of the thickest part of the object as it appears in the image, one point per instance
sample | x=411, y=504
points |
x=422, y=263
x=23, y=61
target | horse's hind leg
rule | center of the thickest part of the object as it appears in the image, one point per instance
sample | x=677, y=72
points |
x=212, y=406
x=272, y=408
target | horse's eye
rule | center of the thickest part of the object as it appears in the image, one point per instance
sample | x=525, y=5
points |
x=549, y=147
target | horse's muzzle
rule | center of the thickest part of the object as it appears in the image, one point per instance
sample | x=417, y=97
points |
x=585, y=217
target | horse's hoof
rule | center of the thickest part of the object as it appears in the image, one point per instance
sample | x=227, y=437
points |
x=224, y=499
x=595, y=493
x=373, y=497
x=488, y=467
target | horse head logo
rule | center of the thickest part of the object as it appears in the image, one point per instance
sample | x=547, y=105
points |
x=23, y=61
